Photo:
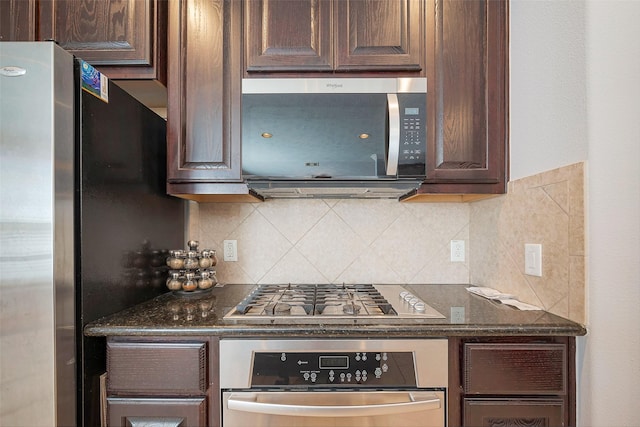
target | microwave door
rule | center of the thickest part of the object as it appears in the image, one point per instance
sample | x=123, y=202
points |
x=316, y=136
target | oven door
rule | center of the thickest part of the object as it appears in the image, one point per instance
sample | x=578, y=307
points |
x=334, y=408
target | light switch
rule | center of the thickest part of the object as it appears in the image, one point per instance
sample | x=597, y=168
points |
x=533, y=259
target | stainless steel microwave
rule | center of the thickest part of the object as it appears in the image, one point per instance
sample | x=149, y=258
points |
x=334, y=137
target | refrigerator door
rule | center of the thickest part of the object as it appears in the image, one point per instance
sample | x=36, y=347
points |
x=37, y=362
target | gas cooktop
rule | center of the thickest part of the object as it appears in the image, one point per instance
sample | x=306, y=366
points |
x=330, y=303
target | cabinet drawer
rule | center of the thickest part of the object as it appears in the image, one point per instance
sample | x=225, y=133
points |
x=178, y=368
x=515, y=368
x=156, y=412
x=503, y=412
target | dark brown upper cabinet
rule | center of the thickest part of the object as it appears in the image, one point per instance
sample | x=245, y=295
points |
x=460, y=46
x=124, y=39
x=334, y=36
x=467, y=74
x=203, y=117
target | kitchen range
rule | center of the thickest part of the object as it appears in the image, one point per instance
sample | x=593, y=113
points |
x=323, y=382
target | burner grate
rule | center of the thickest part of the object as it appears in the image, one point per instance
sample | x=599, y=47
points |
x=315, y=300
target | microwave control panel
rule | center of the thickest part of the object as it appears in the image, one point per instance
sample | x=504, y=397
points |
x=329, y=369
x=413, y=134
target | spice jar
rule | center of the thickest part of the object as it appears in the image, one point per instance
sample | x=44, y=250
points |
x=205, y=281
x=205, y=259
x=189, y=284
x=191, y=262
x=175, y=261
x=173, y=282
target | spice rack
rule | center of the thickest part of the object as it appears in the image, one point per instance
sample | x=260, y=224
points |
x=191, y=270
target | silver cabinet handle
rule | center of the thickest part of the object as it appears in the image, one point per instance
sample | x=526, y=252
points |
x=247, y=402
x=394, y=134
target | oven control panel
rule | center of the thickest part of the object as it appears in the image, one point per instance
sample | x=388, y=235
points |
x=329, y=369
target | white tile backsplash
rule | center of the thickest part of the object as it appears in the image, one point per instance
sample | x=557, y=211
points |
x=384, y=241
x=334, y=241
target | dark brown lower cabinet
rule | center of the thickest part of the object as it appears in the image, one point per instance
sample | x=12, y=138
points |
x=162, y=381
x=503, y=412
x=178, y=412
x=512, y=382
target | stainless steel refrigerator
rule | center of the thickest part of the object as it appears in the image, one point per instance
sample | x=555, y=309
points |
x=84, y=227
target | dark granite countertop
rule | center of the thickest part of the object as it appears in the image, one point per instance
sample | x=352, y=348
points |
x=201, y=314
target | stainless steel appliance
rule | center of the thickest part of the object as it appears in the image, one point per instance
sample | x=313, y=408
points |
x=84, y=221
x=342, y=383
x=334, y=137
x=330, y=303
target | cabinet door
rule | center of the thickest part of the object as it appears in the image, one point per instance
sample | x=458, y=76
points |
x=18, y=20
x=467, y=96
x=508, y=412
x=203, y=127
x=130, y=412
x=374, y=35
x=288, y=35
x=121, y=38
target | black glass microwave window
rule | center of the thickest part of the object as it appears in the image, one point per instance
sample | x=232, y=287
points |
x=298, y=135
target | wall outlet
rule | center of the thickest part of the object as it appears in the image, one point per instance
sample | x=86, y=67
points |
x=457, y=315
x=533, y=259
x=457, y=251
x=230, y=250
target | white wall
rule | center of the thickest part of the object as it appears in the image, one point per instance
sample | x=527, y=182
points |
x=547, y=94
x=612, y=357
x=575, y=95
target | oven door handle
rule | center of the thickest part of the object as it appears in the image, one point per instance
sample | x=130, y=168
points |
x=247, y=402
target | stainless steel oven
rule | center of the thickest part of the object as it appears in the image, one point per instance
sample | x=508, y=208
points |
x=333, y=382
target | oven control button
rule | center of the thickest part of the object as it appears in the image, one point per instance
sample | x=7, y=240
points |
x=342, y=376
x=385, y=368
x=283, y=357
x=378, y=357
x=348, y=378
x=306, y=376
x=314, y=376
x=378, y=372
x=358, y=357
x=384, y=356
x=364, y=356
x=364, y=376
